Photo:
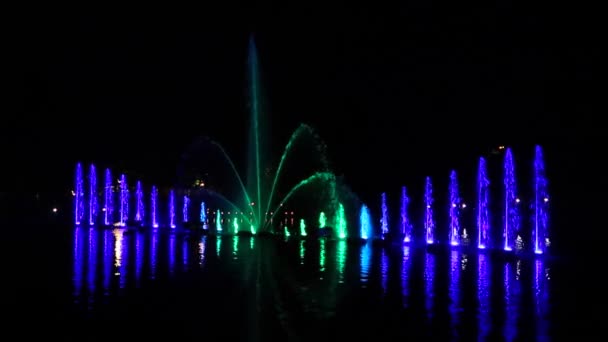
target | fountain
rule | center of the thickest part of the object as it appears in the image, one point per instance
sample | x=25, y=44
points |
x=384, y=218
x=429, y=220
x=540, y=234
x=302, y=228
x=153, y=206
x=79, y=196
x=511, y=210
x=92, y=195
x=185, y=209
x=454, y=210
x=139, y=197
x=124, y=200
x=203, y=215
x=109, y=199
x=406, y=226
x=172, y=208
x=483, y=222
x=218, y=221
x=365, y=223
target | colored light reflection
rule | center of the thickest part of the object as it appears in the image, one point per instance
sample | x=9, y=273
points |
x=78, y=258
x=341, y=259
x=384, y=270
x=322, y=252
x=139, y=256
x=302, y=252
x=172, y=247
x=405, y=275
x=108, y=258
x=202, y=246
x=92, y=269
x=512, y=297
x=429, y=281
x=154, y=253
x=455, y=307
x=235, y=247
x=483, y=297
x=366, y=260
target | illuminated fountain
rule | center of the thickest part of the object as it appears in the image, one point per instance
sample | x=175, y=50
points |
x=540, y=232
x=265, y=189
x=172, y=209
x=108, y=199
x=384, y=217
x=185, y=209
x=429, y=220
x=365, y=223
x=124, y=200
x=454, y=210
x=79, y=195
x=406, y=226
x=511, y=201
x=153, y=206
x=92, y=195
x=483, y=222
x=203, y=216
x=139, y=198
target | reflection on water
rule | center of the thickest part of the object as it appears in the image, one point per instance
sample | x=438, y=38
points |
x=472, y=296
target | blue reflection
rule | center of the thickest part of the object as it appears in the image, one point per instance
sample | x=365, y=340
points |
x=108, y=257
x=121, y=256
x=366, y=255
x=512, y=301
x=541, y=298
x=92, y=271
x=78, y=261
x=429, y=280
x=202, y=246
x=185, y=254
x=139, y=256
x=405, y=275
x=172, y=244
x=384, y=270
x=154, y=253
x=483, y=295
x=455, y=307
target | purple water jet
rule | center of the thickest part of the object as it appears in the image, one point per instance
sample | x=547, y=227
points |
x=78, y=195
x=185, y=209
x=429, y=221
x=540, y=234
x=483, y=222
x=109, y=199
x=511, y=210
x=384, y=218
x=153, y=206
x=454, y=210
x=406, y=226
x=92, y=195
x=124, y=200
x=171, y=209
x=139, y=199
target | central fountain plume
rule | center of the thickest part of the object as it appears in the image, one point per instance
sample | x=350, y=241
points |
x=79, y=195
x=365, y=223
x=483, y=222
x=384, y=217
x=406, y=226
x=92, y=195
x=540, y=234
x=108, y=198
x=429, y=221
x=124, y=200
x=154, y=206
x=139, y=197
x=454, y=210
x=511, y=210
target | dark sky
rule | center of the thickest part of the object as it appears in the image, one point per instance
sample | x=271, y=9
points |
x=396, y=92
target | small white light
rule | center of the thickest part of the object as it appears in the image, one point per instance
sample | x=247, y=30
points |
x=54, y=210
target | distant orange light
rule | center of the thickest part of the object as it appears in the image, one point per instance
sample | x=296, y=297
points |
x=501, y=147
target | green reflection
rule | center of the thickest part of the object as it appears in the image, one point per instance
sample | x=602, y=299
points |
x=322, y=255
x=341, y=259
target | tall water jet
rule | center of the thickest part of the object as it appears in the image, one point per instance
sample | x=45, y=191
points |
x=203, y=215
x=365, y=223
x=154, y=206
x=218, y=221
x=322, y=220
x=454, y=210
x=483, y=221
x=406, y=226
x=139, y=198
x=540, y=232
x=302, y=228
x=124, y=200
x=172, y=208
x=92, y=195
x=384, y=217
x=108, y=198
x=511, y=210
x=341, y=222
x=78, y=195
x=256, y=162
x=185, y=209
x=429, y=220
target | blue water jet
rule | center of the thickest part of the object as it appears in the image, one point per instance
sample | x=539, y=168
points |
x=203, y=215
x=154, y=206
x=79, y=195
x=172, y=209
x=108, y=199
x=454, y=210
x=384, y=217
x=139, y=197
x=483, y=221
x=541, y=204
x=511, y=210
x=185, y=209
x=365, y=222
x=429, y=220
x=92, y=195
x=406, y=226
x=124, y=200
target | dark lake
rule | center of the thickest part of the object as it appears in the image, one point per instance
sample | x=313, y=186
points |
x=256, y=288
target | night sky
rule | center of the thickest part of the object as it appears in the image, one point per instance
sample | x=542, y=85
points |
x=396, y=92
